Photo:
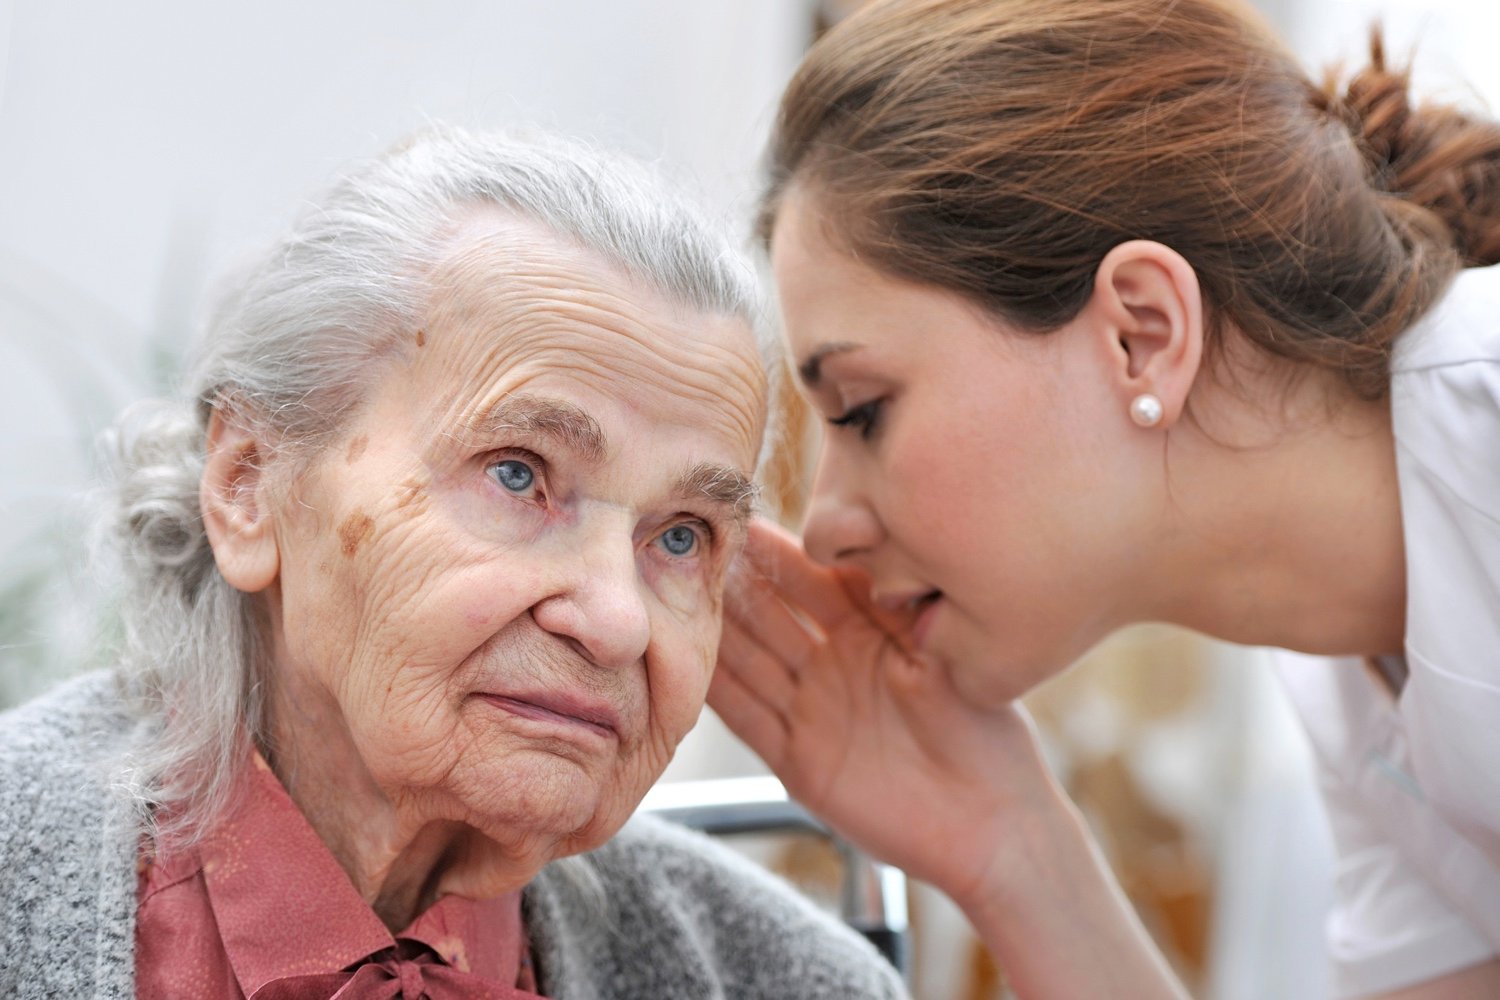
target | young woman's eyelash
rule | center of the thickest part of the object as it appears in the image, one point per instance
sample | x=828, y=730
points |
x=862, y=417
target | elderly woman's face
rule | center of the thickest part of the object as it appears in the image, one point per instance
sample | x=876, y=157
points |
x=507, y=575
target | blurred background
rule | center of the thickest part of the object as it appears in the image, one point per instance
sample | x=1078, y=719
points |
x=146, y=148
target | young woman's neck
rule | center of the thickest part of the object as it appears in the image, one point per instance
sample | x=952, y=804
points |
x=1286, y=525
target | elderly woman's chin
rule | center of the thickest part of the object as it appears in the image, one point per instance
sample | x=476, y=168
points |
x=523, y=753
x=538, y=798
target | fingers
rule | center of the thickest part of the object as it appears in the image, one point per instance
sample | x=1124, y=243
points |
x=752, y=719
x=770, y=678
x=758, y=610
x=774, y=557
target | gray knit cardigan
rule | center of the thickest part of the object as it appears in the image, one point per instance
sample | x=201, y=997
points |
x=679, y=917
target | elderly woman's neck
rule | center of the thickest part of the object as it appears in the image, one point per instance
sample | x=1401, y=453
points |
x=399, y=859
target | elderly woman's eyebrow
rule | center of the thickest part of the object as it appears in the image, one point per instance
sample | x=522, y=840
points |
x=569, y=425
x=564, y=422
x=721, y=485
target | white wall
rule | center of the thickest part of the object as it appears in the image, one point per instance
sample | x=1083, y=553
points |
x=1454, y=40
x=141, y=140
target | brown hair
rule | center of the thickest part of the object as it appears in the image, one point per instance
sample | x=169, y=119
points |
x=1001, y=148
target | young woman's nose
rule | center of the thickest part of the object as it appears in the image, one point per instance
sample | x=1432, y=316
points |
x=601, y=604
x=841, y=526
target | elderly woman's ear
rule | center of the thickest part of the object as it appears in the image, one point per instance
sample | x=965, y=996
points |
x=236, y=507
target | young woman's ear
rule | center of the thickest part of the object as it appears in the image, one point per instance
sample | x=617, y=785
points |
x=236, y=507
x=1148, y=316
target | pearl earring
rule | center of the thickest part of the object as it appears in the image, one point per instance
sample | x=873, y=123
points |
x=1146, y=410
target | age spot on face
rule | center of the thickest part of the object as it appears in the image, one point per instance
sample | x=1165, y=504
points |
x=355, y=529
x=357, y=448
x=421, y=338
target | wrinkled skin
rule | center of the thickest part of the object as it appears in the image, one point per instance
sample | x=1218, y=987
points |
x=497, y=598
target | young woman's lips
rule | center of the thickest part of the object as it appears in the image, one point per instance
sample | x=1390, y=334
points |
x=923, y=623
x=921, y=604
x=590, y=717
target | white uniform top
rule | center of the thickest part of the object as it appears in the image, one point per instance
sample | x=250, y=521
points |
x=1412, y=783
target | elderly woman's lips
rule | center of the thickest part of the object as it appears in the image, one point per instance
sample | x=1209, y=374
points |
x=553, y=708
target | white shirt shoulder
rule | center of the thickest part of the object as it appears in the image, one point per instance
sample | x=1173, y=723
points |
x=1413, y=785
x=1445, y=395
x=1445, y=406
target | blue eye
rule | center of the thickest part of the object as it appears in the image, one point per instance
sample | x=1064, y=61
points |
x=514, y=475
x=680, y=540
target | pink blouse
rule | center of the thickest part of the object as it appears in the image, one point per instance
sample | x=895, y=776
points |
x=261, y=910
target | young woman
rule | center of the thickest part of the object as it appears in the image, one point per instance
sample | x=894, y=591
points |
x=1118, y=317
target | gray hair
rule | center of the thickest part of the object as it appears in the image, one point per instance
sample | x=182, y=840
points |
x=298, y=344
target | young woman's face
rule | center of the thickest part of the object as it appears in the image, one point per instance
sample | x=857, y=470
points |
x=977, y=473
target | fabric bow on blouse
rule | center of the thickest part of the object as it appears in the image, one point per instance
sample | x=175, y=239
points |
x=260, y=909
x=385, y=978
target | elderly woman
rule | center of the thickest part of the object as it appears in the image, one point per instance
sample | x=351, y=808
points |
x=423, y=591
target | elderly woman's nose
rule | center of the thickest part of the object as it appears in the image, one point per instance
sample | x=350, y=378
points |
x=841, y=525
x=601, y=606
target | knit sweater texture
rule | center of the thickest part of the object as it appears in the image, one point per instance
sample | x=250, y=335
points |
x=667, y=913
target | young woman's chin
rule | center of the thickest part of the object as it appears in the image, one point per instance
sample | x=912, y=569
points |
x=994, y=658
x=984, y=672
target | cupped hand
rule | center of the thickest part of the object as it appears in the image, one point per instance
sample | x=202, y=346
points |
x=863, y=731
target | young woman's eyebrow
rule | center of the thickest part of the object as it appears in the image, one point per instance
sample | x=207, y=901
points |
x=565, y=423
x=811, y=370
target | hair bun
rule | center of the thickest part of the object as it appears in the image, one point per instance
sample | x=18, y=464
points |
x=1432, y=157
